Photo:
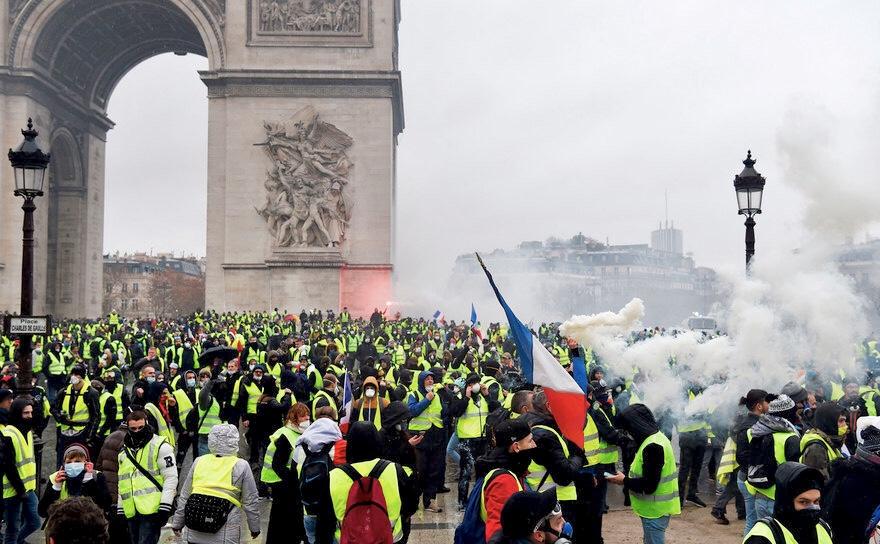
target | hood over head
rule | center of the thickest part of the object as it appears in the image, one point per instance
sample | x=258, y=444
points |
x=421, y=383
x=792, y=479
x=826, y=417
x=394, y=413
x=321, y=432
x=638, y=420
x=223, y=440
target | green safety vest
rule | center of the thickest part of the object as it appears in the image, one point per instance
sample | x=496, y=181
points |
x=212, y=476
x=868, y=396
x=810, y=436
x=592, y=443
x=762, y=528
x=117, y=394
x=267, y=475
x=340, y=486
x=398, y=356
x=488, y=478
x=207, y=421
x=184, y=405
x=377, y=412
x=472, y=423
x=275, y=370
x=779, y=439
x=78, y=414
x=319, y=380
x=664, y=500
x=37, y=362
x=728, y=465
x=323, y=394
x=692, y=426
x=138, y=494
x=430, y=416
x=489, y=381
x=163, y=429
x=102, y=403
x=23, y=445
x=254, y=391
x=538, y=473
x=608, y=453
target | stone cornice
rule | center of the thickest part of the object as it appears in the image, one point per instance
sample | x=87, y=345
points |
x=309, y=84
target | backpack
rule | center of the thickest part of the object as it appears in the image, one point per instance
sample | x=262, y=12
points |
x=366, y=518
x=314, y=479
x=472, y=529
x=492, y=420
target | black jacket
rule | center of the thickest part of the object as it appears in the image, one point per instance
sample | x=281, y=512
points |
x=851, y=495
x=741, y=425
x=550, y=455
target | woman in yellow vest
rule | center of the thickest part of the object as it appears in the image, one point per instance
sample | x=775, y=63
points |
x=370, y=406
x=820, y=446
x=653, y=479
x=218, y=483
x=796, y=510
x=280, y=473
x=76, y=478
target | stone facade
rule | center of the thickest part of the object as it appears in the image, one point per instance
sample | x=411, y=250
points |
x=336, y=58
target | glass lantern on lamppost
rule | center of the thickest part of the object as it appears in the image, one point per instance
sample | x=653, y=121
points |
x=29, y=163
x=749, y=186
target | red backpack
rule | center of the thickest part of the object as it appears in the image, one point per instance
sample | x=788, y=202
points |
x=366, y=518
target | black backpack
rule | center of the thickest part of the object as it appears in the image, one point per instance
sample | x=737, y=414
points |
x=314, y=479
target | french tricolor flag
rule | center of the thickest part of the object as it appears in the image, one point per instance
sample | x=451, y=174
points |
x=567, y=402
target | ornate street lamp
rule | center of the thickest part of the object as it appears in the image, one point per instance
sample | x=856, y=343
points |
x=29, y=163
x=749, y=185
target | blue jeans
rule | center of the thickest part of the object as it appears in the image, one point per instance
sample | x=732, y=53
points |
x=203, y=445
x=749, y=499
x=144, y=529
x=763, y=506
x=310, y=524
x=654, y=530
x=21, y=518
x=452, y=449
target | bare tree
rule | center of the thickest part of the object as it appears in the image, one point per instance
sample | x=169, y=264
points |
x=114, y=277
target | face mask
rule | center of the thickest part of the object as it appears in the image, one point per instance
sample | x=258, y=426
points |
x=74, y=380
x=475, y=388
x=151, y=379
x=429, y=388
x=72, y=470
x=841, y=431
x=809, y=516
x=190, y=383
x=187, y=345
x=251, y=366
x=370, y=393
x=203, y=382
x=303, y=426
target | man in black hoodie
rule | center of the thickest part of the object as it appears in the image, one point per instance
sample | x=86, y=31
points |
x=796, y=511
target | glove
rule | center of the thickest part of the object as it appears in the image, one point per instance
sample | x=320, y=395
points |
x=164, y=513
x=255, y=535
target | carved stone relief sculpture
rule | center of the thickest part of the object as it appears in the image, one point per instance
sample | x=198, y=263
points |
x=307, y=202
x=310, y=16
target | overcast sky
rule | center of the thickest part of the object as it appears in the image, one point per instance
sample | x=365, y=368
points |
x=530, y=119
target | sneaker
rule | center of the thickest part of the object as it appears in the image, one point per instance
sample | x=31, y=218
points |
x=444, y=489
x=720, y=518
x=433, y=507
x=696, y=500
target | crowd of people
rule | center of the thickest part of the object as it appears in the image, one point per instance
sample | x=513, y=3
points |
x=349, y=424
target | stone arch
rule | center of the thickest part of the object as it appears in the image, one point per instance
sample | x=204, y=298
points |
x=87, y=47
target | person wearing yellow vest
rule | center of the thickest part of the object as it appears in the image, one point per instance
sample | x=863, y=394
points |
x=145, y=494
x=219, y=475
x=820, y=446
x=653, y=479
x=55, y=366
x=363, y=454
x=19, y=484
x=471, y=409
x=113, y=387
x=796, y=512
x=369, y=406
x=186, y=397
x=755, y=401
x=693, y=440
x=77, y=477
x=328, y=395
x=205, y=413
x=428, y=411
x=503, y=470
x=279, y=472
x=232, y=377
x=556, y=462
x=773, y=440
x=76, y=412
x=601, y=453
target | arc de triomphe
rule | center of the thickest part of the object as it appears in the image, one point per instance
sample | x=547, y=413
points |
x=305, y=108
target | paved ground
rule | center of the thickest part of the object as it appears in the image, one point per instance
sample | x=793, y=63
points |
x=694, y=526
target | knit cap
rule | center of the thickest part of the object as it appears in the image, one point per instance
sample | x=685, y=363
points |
x=780, y=404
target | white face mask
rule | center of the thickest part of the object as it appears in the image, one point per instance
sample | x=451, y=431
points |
x=303, y=426
x=370, y=393
x=475, y=388
x=75, y=380
x=429, y=388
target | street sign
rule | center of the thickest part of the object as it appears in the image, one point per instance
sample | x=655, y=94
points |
x=35, y=324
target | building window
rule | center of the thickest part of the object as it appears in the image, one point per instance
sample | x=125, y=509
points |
x=134, y=303
x=134, y=287
x=124, y=304
x=124, y=287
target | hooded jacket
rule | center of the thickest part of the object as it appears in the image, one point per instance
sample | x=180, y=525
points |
x=369, y=405
x=501, y=487
x=396, y=441
x=816, y=453
x=792, y=479
x=739, y=433
x=851, y=495
x=434, y=435
x=639, y=422
x=762, y=458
